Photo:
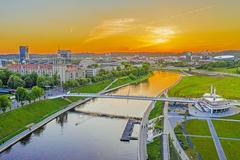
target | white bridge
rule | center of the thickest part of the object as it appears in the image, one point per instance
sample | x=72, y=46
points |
x=146, y=98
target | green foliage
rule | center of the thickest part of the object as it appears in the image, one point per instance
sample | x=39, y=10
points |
x=36, y=92
x=132, y=77
x=28, y=81
x=4, y=103
x=71, y=84
x=196, y=86
x=15, y=82
x=181, y=138
x=154, y=150
x=4, y=76
x=220, y=64
x=1, y=83
x=84, y=81
x=43, y=81
x=21, y=94
x=156, y=111
x=238, y=70
x=12, y=122
x=91, y=88
x=30, y=96
x=56, y=80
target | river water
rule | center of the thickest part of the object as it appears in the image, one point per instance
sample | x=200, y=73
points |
x=74, y=136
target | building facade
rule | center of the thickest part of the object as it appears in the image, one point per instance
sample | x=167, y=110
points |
x=65, y=55
x=65, y=72
x=23, y=54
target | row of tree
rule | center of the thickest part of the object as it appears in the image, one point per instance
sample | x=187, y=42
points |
x=15, y=80
x=220, y=64
x=23, y=94
x=127, y=70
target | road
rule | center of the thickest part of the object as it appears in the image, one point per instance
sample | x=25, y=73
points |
x=142, y=146
x=166, y=153
x=220, y=151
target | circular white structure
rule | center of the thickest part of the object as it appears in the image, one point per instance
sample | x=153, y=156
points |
x=224, y=57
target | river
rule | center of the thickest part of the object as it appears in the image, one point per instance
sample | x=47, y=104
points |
x=75, y=136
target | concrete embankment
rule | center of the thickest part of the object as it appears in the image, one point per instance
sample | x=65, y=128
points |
x=34, y=127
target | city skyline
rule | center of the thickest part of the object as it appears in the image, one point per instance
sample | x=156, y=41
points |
x=119, y=26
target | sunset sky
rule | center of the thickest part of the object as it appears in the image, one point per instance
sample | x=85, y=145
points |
x=119, y=25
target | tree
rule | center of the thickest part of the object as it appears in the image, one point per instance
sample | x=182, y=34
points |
x=15, y=82
x=5, y=103
x=83, y=81
x=1, y=83
x=56, y=80
x=238, y=70
x=4, y=76
x=34, y=77
x=28, y=81
x=70, y=84
x=42, y=81
x=146, y=67
x=21, y=94
x=37, y=92
x=132, y=77
x=30, y=96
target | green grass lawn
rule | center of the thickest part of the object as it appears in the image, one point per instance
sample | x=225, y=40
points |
x=197, y=127
x=227, y=129
x=231, y=149
x=196, y=86
x=173, y=152
x=237, y=117
x=91, y=88
x=157, y=110
x=15, y=121
x=120, y=81
x=154, y=149
x=205, y=147
x=192, y=128
x=226, y=70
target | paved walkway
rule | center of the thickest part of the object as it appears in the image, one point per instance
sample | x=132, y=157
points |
x=216, y=140
x=166, y=153
x=26, y=132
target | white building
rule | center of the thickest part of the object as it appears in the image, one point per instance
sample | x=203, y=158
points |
x=212, y=103
x=66, y=72
x=90, y=72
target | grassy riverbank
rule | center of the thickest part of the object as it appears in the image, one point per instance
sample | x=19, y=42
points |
x=154, y=149
x=14, y=122
x=128, y=80
x=196, y=86
x=157, y=110
x=11, y=123
x=91, y=88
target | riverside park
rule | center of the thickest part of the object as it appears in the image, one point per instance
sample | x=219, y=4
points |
x=193, y=131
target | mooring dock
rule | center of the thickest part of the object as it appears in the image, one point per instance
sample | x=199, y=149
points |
x=127, y=133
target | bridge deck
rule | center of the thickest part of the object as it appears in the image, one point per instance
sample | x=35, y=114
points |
x=91, y=95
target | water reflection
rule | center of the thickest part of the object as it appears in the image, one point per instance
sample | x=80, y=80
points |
x=74, y=136
x=134, y=108
x=62, y=119
x=39, y=131
x=26, y=140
